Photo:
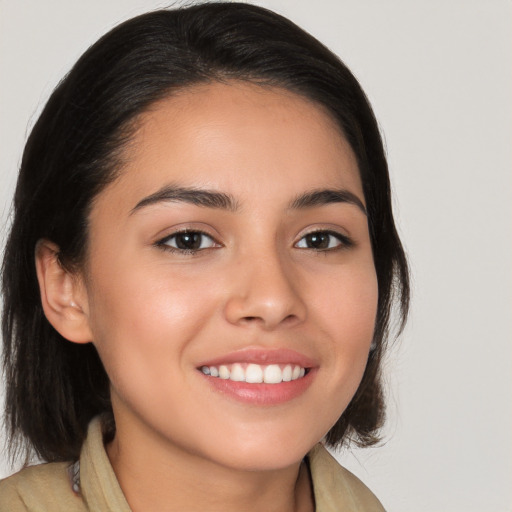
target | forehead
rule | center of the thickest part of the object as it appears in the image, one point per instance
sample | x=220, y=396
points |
x=238, y=137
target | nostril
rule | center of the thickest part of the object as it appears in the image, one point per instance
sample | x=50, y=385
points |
x=259, y=307
x=290, y=318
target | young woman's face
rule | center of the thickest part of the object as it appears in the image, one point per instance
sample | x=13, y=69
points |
x=234, y=246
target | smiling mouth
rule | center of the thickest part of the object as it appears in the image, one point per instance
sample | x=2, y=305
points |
x=256, y=373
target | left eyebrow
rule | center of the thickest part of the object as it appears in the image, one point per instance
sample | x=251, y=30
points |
x=196, y=196
x=326, y=196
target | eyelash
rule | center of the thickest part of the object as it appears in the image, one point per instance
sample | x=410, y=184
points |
x=344, y=241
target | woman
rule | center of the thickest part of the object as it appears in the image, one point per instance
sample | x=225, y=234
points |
x=206, y=198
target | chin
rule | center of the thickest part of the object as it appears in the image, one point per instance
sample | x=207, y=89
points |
x=269, y=454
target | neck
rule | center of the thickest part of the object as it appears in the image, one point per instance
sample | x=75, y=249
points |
x=156, y=476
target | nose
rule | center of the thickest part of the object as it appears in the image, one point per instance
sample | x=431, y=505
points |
x=265, y=292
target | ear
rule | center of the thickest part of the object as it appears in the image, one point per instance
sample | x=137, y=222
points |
x=63, y=295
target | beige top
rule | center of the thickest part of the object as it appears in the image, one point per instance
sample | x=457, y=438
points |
x=48, y=487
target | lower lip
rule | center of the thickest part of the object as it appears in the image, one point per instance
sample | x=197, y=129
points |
x=262, y=394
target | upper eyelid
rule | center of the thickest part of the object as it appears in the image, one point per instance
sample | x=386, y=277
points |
x=331, y=231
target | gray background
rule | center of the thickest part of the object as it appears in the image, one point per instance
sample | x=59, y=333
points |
x=439, y=74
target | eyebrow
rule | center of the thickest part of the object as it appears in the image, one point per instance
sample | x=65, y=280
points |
x=223, y=201
x=195, y=196
x=325, y=197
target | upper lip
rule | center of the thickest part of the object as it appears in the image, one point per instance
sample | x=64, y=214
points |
x=263, y=357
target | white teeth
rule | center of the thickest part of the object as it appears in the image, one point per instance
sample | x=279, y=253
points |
x=255, y=373
x=287, y=373
x=237, y=373
x=272, y=374
x=223, y=372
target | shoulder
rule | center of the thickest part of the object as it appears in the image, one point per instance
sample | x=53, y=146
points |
x=41, y=488
x=336, y=488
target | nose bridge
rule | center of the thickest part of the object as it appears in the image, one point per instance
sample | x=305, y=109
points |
x=265, y=290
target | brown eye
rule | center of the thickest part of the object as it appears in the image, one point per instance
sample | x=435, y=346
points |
x=318, y=240
x=323, y=241
x=188, y=241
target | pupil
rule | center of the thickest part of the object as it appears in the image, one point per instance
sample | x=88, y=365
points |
x=188, y=241
x=318, y=240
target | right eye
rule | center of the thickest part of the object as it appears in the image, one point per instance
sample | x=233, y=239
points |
x=187, y=242
x=324, y=240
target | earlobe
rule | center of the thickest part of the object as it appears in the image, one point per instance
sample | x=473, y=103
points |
x=63, y=295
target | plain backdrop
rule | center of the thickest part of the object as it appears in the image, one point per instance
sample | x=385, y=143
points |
x=439, y=75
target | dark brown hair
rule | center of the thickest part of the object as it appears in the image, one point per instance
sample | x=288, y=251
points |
x=55, y=387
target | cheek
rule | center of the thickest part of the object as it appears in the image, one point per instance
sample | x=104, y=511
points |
x=346, y=312
x=347, y=302
x=142, y=314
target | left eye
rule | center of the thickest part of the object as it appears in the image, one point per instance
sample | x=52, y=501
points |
x=188, y=241
x=323, y=240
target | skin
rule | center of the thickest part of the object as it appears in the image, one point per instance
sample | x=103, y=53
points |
x=155, y=314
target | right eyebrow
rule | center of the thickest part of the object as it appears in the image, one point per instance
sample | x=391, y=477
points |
x=196, y=196
x=327, y=196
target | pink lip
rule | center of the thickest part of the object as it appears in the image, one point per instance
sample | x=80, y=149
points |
x=262, y=356
x=262, y=394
